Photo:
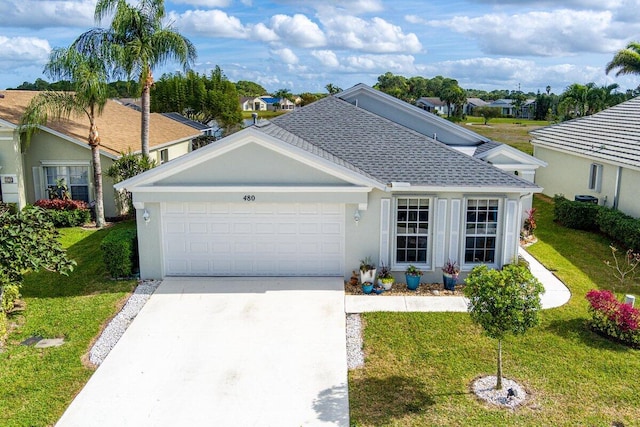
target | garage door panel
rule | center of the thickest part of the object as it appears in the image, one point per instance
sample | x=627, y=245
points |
x=253, y=239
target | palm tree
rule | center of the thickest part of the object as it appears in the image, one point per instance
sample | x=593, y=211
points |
x=88, y=75
x=135, y=43
x=626, y=60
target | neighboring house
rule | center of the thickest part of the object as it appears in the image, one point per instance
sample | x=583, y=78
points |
x=60, y=150
x=252, y=104
x=508, y=109
x=597, y=155
x=433, y=105
x=200, y=127
x=472, y=104
x=313, y=192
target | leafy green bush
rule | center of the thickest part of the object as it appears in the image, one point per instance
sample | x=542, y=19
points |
x=620, y=227
x=120, y=252
x=577, y=215
x=65, y=213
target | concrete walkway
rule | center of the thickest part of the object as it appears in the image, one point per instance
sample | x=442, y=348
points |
x=555, y=294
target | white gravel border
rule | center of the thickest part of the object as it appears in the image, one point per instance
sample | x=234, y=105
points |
x=114, y=330
x=355, y=355
x=485, y=389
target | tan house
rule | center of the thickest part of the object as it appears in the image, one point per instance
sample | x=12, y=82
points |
x=594, y=158
x=60, y=150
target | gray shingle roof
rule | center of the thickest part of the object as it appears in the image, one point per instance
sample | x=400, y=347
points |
x=384, y=149
x=612, y=134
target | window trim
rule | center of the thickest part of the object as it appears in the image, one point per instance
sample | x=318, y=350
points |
x=44, y=187
x=498, y=236
x=595, y=177
x=395, y=265
x=164, y=152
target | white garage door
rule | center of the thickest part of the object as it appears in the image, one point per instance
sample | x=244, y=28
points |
x=253, y=239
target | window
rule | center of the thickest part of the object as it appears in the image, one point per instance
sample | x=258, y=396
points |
x=595, y=177
x=76, y=178
x=481, y=231
x=412, y=230
x=164, y=156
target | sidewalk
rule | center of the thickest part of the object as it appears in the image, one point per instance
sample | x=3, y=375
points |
x=555, y=294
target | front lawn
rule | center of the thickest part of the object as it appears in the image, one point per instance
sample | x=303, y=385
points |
x=38, y=384
x=514, y=132
x=419, y=365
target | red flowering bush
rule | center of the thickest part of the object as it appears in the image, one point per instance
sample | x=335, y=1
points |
x=613, y=318
x=65, y=213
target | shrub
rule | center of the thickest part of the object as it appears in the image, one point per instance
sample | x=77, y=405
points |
x=620, y=227
x=577, y=215
x=120, y=252
x=613, y=318
x=64, y=212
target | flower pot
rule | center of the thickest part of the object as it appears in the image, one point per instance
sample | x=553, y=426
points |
x=449, y=281
x=378, y=289
x=412, y=282
x=367, y=276
x=367, y=287
x=386, y=284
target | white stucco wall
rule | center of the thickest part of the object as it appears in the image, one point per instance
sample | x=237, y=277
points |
x=569, y=175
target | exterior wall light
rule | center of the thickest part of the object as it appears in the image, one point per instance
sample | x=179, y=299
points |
x=146, y=216
x=356, y=216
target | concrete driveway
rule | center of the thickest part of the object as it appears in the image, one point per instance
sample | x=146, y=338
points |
x=226, y=352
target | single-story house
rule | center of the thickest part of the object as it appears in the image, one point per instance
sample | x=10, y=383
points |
x=266, y=103
x=313, y=192
x=508, y=109
x=472, y=104
x=433, y=105
x=60, y=150
x=597, y=156
x=252, y=103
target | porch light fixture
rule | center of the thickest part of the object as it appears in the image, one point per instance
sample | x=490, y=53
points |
x=356, y=216
x=146, y=216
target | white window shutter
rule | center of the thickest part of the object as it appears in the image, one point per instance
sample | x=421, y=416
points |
x=385, y=226
x=510, y=237
x=454, y=235
x=38, y=184
x=441, y=231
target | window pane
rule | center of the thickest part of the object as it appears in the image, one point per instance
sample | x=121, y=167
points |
x=412, y=229
x=481, y=229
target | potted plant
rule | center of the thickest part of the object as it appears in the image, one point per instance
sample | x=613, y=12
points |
x=412, y=274
x=450, y=272
x=367, y=270
x=385, y=279
x=367, y=287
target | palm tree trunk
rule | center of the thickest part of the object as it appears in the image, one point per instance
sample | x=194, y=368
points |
x=146, y=101
x=499, y=375
x=94, y=142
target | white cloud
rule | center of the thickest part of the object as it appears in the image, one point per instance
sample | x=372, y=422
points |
x=47, y=14
x=286, y=55
x=327, y=58
x=23, y=51
x=415, y=19
x=376, y=35
x=298, y=30
x=211, y=23
x=397, y=64
x=351, y=6
x=204, y=3
x=557, y=33
x=260, y=32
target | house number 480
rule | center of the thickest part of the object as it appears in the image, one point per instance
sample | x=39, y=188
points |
x=249, y=198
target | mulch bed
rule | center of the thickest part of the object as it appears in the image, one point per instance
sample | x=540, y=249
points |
x=400, y=289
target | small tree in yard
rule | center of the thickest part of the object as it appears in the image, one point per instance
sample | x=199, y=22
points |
x=503, y=302
x=487, y=113
x=28, y=242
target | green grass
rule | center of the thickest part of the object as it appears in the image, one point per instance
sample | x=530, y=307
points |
x=419, y=365
x=514, y=132
x=38, y=384
x=263, y=114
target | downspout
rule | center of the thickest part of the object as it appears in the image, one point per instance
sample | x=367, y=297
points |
x=616, y=194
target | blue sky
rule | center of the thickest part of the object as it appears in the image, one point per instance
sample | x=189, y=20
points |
x=302, y=45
